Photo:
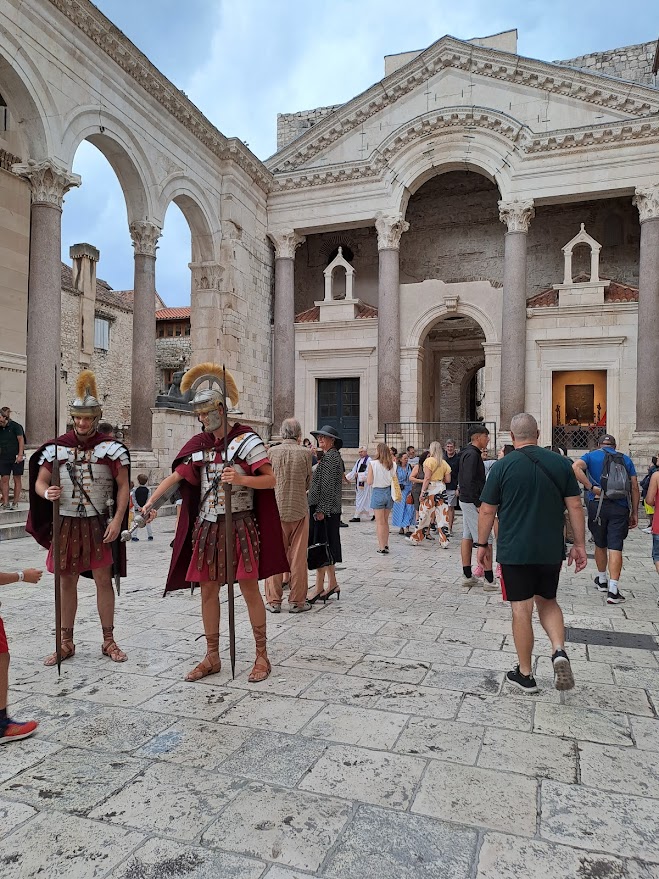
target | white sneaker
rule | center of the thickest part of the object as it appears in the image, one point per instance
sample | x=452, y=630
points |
x=469, y=581
x=647, y=530
x=490, y=587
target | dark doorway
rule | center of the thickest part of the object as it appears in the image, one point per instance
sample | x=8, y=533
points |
x=338, y=406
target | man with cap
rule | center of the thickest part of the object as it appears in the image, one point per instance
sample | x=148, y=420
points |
x=93, y=508
x=200, y=470
x=609, y=520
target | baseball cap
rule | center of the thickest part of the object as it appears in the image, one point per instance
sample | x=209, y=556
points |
x=608, y=440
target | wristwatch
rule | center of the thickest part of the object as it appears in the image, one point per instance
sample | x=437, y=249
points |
x=481, y=545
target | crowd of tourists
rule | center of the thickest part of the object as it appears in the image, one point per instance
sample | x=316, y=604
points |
x=247, y=512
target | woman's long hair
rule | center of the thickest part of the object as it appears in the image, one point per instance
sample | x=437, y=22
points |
x=436, y=452
x=384, y=456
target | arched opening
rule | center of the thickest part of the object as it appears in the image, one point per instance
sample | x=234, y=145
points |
x=453, y=389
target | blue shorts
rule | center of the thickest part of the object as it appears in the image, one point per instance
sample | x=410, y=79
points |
x=381, y=499
x=655, y=547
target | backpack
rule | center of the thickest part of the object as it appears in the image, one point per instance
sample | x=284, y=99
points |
x=616, y=482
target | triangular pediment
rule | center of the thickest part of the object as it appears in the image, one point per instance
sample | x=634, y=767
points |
x=452, y=82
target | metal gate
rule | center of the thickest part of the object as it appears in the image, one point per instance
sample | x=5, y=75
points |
x=421, y=433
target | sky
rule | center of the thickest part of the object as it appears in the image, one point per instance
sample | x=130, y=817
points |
x=243, y=61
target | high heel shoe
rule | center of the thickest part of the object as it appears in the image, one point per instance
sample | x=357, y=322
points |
x=336, y=591
x=315, y=598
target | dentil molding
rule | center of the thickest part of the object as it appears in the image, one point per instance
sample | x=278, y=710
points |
x=49, y=181
x=517, y=215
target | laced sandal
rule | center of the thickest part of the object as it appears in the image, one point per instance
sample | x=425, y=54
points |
x=206, y=667
x=262, y=667
x=68, y=650
x=110, y=648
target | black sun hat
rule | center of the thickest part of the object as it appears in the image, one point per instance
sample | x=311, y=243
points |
x=331, y=432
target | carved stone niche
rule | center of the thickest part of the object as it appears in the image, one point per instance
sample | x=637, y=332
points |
x=331, y=307
x=591, y=292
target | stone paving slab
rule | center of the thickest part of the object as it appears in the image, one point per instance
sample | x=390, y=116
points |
x=385, y=743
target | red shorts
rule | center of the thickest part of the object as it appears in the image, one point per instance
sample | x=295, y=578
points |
x=4, y=647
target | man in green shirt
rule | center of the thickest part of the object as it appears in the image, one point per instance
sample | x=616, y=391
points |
x=12, y=447
x=530, y=489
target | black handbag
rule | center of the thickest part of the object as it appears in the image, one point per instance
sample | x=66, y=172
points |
x=318, y=554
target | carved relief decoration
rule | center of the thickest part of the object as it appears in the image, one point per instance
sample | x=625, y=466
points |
x=206, y=275
x=647, y=202
x=145, y=237
x=517, y=215
x=49, y=182
x=390, y=231
x=286, y=243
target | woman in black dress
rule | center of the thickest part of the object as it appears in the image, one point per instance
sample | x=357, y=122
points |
x=325, y=509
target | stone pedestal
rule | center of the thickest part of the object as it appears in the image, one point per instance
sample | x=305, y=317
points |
x=172, y=428
x=516, y=215
x=643, y=445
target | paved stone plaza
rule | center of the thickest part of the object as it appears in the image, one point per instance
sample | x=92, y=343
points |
x=385, y=744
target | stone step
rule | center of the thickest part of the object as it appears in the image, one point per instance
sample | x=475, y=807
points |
x=10, y=517
x=12, y=531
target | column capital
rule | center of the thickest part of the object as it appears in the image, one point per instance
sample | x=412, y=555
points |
x=286, y=242
x=390, y=230
x=517, y=214
x=206, y=275
x=145, y=237
x=646, y=199
x=49, y=181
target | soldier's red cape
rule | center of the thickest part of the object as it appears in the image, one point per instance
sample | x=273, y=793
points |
x=272, y=557
x=40, y=518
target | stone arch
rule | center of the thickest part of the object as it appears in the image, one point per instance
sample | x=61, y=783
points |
x=425, y=323
x=29, y=100
x=205, y=229
x=437, y=142
x=125, y=154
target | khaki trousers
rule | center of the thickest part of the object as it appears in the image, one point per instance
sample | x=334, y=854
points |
x=296, y=539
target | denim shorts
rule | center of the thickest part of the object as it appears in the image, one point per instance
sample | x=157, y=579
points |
x=655, y=547
x=381, y=499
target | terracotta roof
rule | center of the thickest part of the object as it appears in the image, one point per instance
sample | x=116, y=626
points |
x=615, y=292
x=127, y=297
x=173, y=313
x=313, y=314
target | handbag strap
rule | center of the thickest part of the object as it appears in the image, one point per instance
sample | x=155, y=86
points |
x=544, y=470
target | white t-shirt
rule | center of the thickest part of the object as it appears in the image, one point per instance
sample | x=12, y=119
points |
x=381, y=476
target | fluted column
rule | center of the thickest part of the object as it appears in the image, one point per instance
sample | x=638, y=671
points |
x=49, y=183
x=516, y=215
x=647, y=375
x=145, y=237
x=286, y=243
x=390, y=230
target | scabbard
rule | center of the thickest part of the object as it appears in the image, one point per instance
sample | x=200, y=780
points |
x=229, y=548
x=57, y=565
x=116, y=565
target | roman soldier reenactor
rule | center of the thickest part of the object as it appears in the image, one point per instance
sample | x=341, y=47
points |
x=93, y=496
x=201, y=470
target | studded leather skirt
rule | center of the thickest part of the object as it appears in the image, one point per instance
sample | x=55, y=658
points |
x=81, y=545
x=208, y=561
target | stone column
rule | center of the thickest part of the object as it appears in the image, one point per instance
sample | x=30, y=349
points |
x=390, y=231
x=647, y=372
x=283, y=367
x=206, y=320
x=145, y=237
x=516, y=215
x=49, y=183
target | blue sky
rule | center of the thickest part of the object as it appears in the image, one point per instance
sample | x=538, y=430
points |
x=243, y=61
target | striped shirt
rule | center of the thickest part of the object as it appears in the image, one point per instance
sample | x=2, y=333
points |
x=325, y=491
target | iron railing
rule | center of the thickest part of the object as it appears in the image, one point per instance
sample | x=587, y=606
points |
x=421, y=433
x=577, y=436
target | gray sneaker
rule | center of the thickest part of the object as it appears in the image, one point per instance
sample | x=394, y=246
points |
x=13, y=506
x=299, y=608
x=469, y=581
x=273, y=608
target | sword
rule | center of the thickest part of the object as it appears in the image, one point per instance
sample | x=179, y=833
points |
x=228, y=532
x=139, y=521
x=55, y=481
x=116, y=560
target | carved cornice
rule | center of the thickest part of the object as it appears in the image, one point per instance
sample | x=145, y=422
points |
x=596, y=136
x=119, y=48
x=49, y=181
x=449, y=53
x=646, y=200
x=390, y=231
x=286, y=242
x=7, y=160
x=517, y=215
x=145, y=237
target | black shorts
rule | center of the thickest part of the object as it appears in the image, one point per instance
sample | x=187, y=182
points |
x=521, y=582
x=11, y=468
x=613, y=526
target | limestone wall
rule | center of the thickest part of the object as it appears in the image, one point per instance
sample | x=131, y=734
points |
x=14, y=259
x=292, y=125
x=171, y=353
x=633, y=63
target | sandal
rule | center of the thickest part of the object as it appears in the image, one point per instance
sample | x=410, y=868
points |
x=110, y=647
x=68, y=650
x=206, y=667
x=262, y=667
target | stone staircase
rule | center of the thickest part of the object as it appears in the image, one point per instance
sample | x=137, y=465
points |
x=12, y=523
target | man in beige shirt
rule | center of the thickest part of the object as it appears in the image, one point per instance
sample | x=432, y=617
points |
x=291, y=463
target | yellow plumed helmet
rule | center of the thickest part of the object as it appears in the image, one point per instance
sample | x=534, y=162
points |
x=86, y=400
x=207, y=398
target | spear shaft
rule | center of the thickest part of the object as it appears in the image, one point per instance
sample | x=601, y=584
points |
x=228, y=531
x=55, y=481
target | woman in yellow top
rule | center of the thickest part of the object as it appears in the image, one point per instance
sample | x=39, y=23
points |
x=435, y=474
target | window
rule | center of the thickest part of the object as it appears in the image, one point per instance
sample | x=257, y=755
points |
x=3, y=114
x=102, y=333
